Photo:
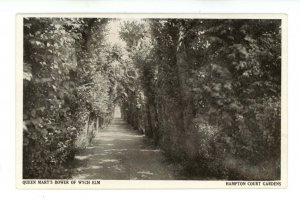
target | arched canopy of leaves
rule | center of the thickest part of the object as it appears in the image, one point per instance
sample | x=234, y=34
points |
x=207, y=91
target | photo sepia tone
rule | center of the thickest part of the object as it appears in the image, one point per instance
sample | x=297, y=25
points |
x=108, y=98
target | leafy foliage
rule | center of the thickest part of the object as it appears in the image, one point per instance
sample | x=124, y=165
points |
x=206, y=91
x=212, y=90
x=66, y=89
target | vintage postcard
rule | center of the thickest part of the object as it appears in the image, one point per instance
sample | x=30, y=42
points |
x=151, y=101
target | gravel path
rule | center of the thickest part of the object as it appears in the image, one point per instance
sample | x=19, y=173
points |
x=120, y=153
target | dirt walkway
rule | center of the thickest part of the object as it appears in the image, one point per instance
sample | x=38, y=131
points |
x=119, y=153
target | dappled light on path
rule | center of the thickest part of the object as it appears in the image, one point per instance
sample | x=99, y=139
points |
x=120, y=153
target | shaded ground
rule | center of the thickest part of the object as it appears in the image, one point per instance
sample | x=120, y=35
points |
x=120, y=153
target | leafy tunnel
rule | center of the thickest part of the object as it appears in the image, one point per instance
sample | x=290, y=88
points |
x=205, y=91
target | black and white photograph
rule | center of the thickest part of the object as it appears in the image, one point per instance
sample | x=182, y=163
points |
x=152, y=99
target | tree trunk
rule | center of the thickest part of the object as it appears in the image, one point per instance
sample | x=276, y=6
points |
x=87, y=126
x=180, y=62
x=97, y=124
x=149, y=132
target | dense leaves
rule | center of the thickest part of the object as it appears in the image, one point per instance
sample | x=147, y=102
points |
x=206, y=91
x=67, y=92
x=212, y=94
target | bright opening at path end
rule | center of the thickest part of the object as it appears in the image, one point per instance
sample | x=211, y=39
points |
x=117, y=113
